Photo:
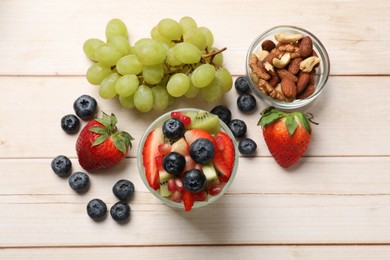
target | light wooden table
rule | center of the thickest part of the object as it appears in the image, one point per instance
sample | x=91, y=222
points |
x=334, y=204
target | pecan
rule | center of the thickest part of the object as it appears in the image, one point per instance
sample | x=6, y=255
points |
x=303, y=81
x=258, y=68
x=288, y=47
x=269, y=57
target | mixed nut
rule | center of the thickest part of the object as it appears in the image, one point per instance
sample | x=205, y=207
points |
x=285, y=70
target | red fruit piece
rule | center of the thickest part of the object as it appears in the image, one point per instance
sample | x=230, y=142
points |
x=164, y=149
x=159, y=162
x=186, y=120
x=200, y=195
x=219, y=161
x=171, y=185
x=100, y=145
x=149, y=153
x=215, y=189
x=188, y=199
x=176, y=114
x=287, y=135
x=176, y=196
x=228, y=151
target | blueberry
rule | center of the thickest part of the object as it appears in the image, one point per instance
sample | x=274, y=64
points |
x=223, y=113
x=173, y=128
x=123, y=189
x=174, y=163
x=246, y=102
x=85, y=107
x=247, y=146
x=61, y=165
x=194, y=180
x=242, y=84
x=238, y=128
x=70, y=124
x=202, y=150
x=120, y=211
x=79, y=181
x=96, y=209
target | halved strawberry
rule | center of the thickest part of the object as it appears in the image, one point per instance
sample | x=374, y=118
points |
x=219, y=161
x=149, y=154
x=188, y=199
x=227, y=146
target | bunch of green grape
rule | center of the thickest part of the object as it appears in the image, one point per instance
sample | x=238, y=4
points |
x=177, y=60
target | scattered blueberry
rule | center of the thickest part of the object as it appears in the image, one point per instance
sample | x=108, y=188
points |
x=223, y=113
x=61, y=165
x=194, y=180
x=246, y=102
x=173, y=128
x=174, y=163
x=70, y=124
x=96, y=209
x=202, y=150
x=247, y=146
x=238, y=128
x=79, y=181
x=85, y=107
x=241, y=84
x=123, y=189
x=120, y=211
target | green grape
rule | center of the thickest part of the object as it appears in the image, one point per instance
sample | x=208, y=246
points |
x=203, y=75
x=171, y=58
x=178, y=85
x=107, y=54
x=151, y=52
x=90, y=46
x=121, y=43
x=155, y=34
x=129, y=64
x=97, y=73
x=170, y=29
x=192, y=90
x=187, y=23
x=217, y=59
x=196, y=37
x=126, y=85
x=116, y=27
x=107, y=87
x=127, y=102
x=225, y=79
x=153, y=74
x=187, y=53
x=213, y=92
x=160, y=98
x=143, y=98
x=209, y=37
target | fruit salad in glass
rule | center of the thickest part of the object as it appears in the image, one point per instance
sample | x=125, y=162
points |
x=188, y=158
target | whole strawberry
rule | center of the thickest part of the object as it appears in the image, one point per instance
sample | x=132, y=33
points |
x=287, y=135
x=100, y=145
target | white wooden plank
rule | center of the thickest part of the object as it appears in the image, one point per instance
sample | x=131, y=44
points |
x=348, y=126
x=207, y=252
x=47, y=38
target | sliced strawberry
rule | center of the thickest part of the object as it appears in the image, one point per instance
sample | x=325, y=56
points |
x=219, y=161
x=188, y=199
x=149, y=154
x=228, y=151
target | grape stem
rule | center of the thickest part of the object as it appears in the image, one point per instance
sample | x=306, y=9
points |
x=213, y=53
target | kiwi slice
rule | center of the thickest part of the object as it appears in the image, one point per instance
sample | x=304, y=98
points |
x=164, y=190
x=206, y=121
x=164, y=177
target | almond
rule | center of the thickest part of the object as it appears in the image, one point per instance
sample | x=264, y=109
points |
x=268, y=45
x=303, y=81
x=293, y=67
x=307, y=93
x=306, y=47
x=285, y=73
x=288, y=87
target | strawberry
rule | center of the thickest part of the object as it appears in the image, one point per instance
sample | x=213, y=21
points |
x=188, y=199
x=149, y=154
x=287, y=135
x=218, y=160
x=100, y=145
x=226, y=146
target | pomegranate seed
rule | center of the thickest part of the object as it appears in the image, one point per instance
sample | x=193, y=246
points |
x=214, y=189
x=220, y=143
x=176, y=114
x=164, y=148
x=200, y=196
x=223, y=178
x=171, y=185
x=186, y=120
x=176, y=196
x=179, y=184
x=159, y=162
